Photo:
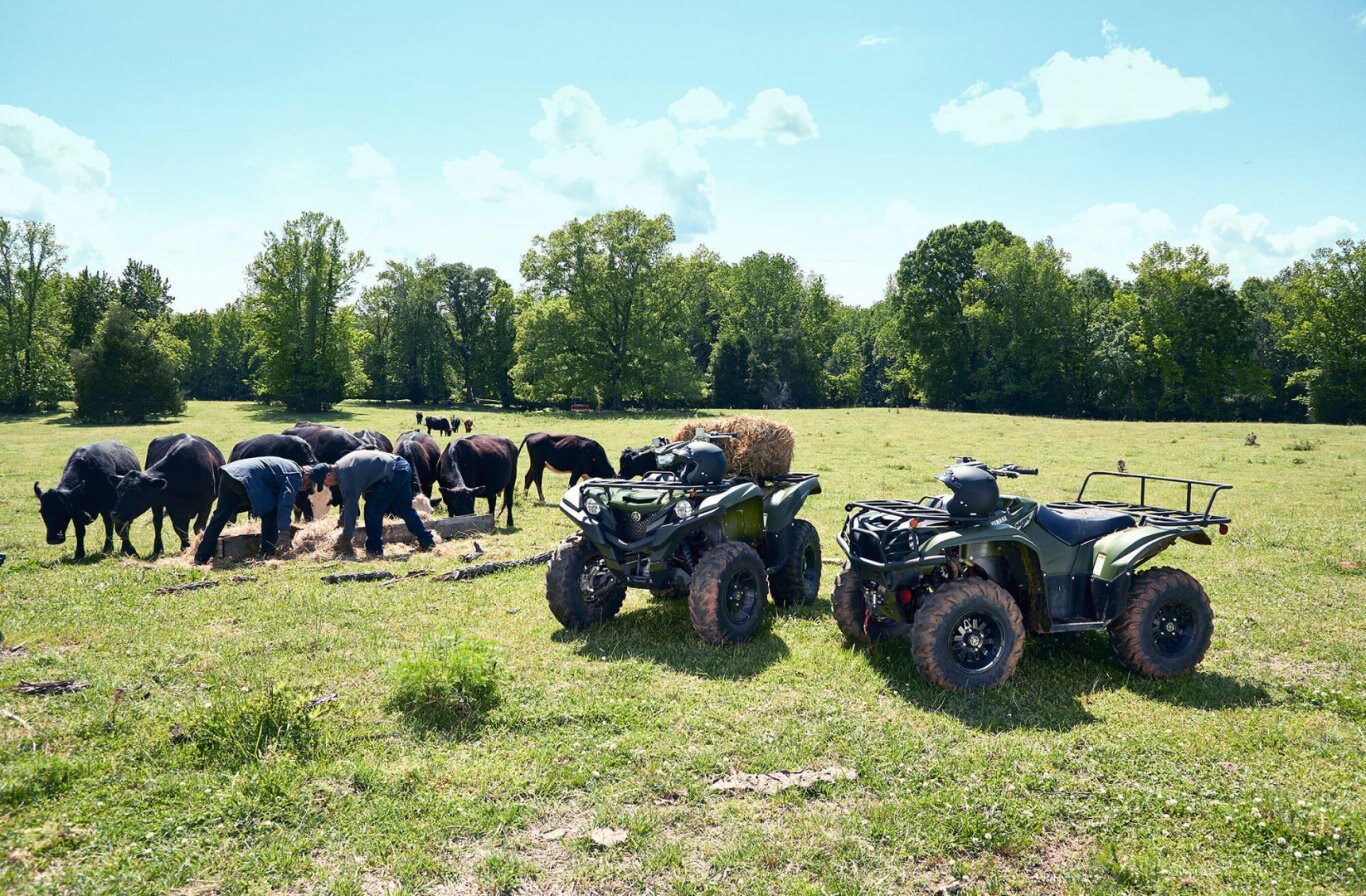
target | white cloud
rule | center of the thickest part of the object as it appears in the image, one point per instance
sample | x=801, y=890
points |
x=1111, y=235
x=1125, y=85
x=1248, y=245
x=482, y=177
x=73, y=159
x=1109, y=32
x=779, y=116
x=368, y=163
x=699, y=106
x=873, y=40
x=1360, y=19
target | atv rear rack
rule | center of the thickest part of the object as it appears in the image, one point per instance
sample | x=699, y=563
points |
x=1150, y=515
x=886, y=533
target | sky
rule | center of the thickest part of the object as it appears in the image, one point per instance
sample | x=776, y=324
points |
x=839, y=134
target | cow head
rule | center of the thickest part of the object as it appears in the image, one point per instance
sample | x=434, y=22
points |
x=58, y=508
x=459, y=500
x=135, y=494
x=637, y=462
x=599, y=466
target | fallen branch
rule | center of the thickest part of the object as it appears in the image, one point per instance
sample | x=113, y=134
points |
x=13, y=653
x=415, y=574
x=474, y=554
x=22, y=721
x=319, y=701
x=62, y=686
x=778, y=781
x=204, y=583
x=483, y=569
x=371, y=575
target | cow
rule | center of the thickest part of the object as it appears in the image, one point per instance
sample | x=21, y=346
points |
x=85, y=491
x=419, y=418
x=579, y=456
x=469, y=424
x=440, y=424
x=179, y=481
x=477, y=467
x=373, y=438
x=330, y=444
x=637, y=462
x=286, y=447
x=422, y=454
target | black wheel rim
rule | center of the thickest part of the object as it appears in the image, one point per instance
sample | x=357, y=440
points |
x=975, y=641
x=596, y=581
x=741, y=599
x=811, y=572
x=1173, y=628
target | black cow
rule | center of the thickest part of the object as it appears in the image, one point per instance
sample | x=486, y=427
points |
x=288, y=447
x=477, y=467
x=440, y=424
x=419, y=418
x=376, y=440
x=578, y=456
x=329, y=443
x=86, y=490
x=637, y=462
x=179, y=481
x=422, y=454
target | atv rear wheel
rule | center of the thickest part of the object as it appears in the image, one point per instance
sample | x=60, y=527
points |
x=727, y=597
x=798, y=581
x=579, y=587
x=968, y=636
x=1167, y=625
x=851, y=611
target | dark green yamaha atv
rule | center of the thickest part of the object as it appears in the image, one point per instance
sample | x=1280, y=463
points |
x=965, y=574
x=687, y=531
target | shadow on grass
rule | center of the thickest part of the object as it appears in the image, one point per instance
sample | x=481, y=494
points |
x=70, y=420
x=662, y=633
x=269, y=413
x=1053, y=686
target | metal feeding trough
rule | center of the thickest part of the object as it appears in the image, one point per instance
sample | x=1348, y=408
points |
x=237, y=547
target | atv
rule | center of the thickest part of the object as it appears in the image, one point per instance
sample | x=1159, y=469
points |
x=687, y=531
x=965, y=573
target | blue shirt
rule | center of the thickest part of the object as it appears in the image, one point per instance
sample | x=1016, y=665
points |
x=271, y=484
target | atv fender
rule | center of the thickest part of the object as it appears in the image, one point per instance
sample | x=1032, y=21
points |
x=782, y=505
x=1121, y=551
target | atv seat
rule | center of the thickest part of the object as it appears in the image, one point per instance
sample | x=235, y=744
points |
x=1074, y=526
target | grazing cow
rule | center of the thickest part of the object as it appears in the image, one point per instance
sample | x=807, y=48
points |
x=440, y=424
x=85, y=491
x=179, y=481
x=422, y=454
x=330, y=444
x=477, y=467
x=287, y=447
x=578, y=456
x=637, y=462
x=375, y=440
x=419, y=418
x=469, y=424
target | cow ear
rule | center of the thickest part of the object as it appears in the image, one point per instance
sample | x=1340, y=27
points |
x=37, y=491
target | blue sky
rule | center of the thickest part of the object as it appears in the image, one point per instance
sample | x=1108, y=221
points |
x=837, y=133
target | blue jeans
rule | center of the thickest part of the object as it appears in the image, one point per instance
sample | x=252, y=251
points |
x=395, y=496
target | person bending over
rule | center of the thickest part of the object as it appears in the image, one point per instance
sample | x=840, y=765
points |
x=386, y=482
x=263, y=486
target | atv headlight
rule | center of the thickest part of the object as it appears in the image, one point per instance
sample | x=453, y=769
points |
x=683, y=509
x=592, y=505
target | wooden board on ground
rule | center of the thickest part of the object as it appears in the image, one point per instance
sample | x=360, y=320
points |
x=236, y=547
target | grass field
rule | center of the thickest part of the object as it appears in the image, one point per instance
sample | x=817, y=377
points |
x=1072, y=778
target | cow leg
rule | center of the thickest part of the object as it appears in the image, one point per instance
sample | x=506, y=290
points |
x=158, y=512
x=507, y=496
x=125, y=546
x=534, y=475
x=181, y=524
x=574, y=478
x=80, y=541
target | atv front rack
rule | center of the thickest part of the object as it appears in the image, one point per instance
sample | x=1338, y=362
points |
x=885, y=534
x=669, y=486
x=1150, y=515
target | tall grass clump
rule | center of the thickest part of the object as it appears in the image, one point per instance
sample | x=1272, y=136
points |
x=450, y=684
x=246, y=727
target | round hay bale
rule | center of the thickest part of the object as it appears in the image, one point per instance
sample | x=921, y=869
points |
x=761, y=447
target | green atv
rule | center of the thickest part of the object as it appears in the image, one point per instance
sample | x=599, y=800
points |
x=686, y=530
x=965, y=573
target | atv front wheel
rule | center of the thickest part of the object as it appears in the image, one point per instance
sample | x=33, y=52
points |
x=1167, y=625
x=798, y=581
x=579, y=587
x=851, y=611
x=727, y=597
x=968, y=636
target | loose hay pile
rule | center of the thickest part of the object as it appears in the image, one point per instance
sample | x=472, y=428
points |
x=761, y=447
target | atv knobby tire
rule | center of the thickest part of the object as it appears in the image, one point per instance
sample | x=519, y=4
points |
x=968, y=635
x=573, y=570
x=851, y=611
x=727, y=597
x=1166, y=627
x=798, y=581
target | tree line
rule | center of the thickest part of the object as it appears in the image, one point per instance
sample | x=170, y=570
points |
x=974, y=318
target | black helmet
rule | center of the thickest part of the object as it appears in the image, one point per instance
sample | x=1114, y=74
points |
x=975, y=495
x=699, y=463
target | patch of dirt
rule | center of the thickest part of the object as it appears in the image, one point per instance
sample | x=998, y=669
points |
x=1061, y=853
x=17, y=652
x=778, y=781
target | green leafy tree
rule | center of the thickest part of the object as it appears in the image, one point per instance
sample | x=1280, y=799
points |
x=469, y=297
x=729, y=374
x=499, y=355
x=1272, y=317
x=300, y=280
x=1328, y=297
x=196, y=331
x=143, y=290
x=235, y=363
x=594, y=301
x=33, y=339
x=130, y=372
x=86, y=297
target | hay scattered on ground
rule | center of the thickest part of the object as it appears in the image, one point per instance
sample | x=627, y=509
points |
x=761, y=447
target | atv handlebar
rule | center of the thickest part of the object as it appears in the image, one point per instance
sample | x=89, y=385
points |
x=1008, y=471
x=660, y=445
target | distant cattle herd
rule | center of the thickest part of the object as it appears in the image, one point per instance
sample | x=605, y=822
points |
x=103, y=480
